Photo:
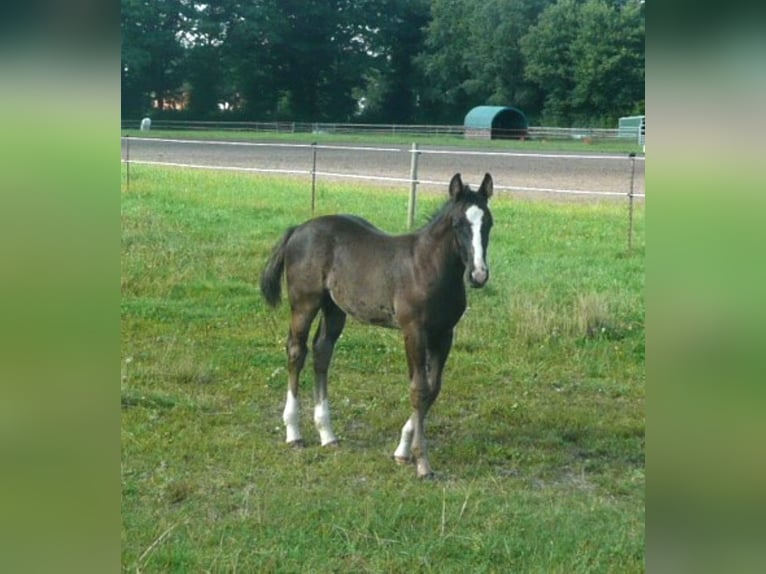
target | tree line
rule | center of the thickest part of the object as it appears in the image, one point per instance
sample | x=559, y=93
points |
x=563, y=62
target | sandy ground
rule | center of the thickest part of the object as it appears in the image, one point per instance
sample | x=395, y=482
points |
x=588, y=172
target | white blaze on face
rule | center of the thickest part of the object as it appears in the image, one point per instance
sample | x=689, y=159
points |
x=291, y=417
x=474, y=215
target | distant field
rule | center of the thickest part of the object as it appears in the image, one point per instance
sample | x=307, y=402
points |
x=596, y=146
x=537, y=439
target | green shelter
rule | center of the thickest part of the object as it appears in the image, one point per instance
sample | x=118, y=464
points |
x=496, y=122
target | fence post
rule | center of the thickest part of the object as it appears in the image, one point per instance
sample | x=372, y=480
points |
x=127, y=162
x=632, y=157
x=413, y=185
x=313, y=176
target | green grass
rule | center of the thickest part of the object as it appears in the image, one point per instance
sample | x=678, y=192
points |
x=537, y=439
x=531, y=145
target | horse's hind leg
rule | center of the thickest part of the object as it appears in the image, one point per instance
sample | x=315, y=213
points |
x=330, y=327
x=300, y=323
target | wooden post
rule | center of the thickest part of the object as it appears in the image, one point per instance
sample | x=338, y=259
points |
x=413, y=186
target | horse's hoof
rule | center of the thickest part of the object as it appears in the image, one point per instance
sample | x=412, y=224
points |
x=428, y=476
x=332, y=444
x=402, y=460
x=424, y=470
x=296, y=443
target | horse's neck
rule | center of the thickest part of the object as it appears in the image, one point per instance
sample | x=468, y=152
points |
x=436, y=243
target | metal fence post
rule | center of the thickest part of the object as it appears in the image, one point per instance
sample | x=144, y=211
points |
x=413, y=186
x=630, y=200
x=127, y=163
x=313, y=177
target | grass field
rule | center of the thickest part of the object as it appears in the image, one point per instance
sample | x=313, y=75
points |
x=537, y=439
x=571, y=145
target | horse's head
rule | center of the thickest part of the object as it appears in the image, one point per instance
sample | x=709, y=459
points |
x=472, y=221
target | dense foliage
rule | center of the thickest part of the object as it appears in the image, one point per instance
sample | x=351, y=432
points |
x=564, y=62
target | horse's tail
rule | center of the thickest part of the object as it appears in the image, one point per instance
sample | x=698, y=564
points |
x=271, y=276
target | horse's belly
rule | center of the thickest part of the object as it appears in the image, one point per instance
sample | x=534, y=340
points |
x=381, y=319
x=364, y=308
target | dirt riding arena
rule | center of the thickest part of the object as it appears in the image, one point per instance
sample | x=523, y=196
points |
x=605, y=174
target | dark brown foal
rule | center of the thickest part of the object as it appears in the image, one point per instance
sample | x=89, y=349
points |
x=340, y=265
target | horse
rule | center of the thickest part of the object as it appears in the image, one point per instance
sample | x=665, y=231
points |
x=415, y=282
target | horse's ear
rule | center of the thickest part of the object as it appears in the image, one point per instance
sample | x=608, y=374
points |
x=486, y=186
x=455, y=187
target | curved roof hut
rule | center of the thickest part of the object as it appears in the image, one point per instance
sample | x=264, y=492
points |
x=496, y=122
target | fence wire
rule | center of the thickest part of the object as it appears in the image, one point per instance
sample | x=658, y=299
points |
x=413, y=180
x=374, y=177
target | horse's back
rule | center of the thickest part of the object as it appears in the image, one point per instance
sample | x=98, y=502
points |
x=346, y=224
x=330, y=231
x=349, y=258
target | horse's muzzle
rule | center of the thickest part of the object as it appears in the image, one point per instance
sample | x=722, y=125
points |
x=478, y=277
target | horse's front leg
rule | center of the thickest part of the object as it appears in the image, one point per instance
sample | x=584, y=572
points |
x=413, y=442
x=437, y=350
x=439, y=345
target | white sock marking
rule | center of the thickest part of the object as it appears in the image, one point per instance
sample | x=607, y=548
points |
x=404, y=451
x=291, y=417
x=322, y=422
x=474, y=215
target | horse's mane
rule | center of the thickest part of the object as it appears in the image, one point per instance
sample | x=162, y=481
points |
x=438, y=213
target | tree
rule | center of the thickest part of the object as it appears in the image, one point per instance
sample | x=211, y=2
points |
x=253, y=30
x=151, y=54
x=499, y=27
x=588, y=60
x=395, y=32
x=205, y=70
x=473, y=56
x=563, y=62
x=550, y=63
x=297, y=59
x=609, y=62
x=445, y=62
x=325, y=57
